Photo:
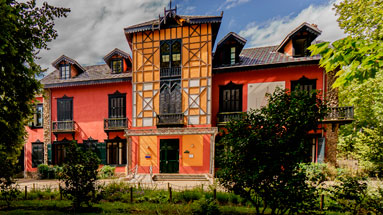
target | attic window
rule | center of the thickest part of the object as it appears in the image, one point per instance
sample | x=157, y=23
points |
x=64, y=71
x=116, y=65
x=300, y=48
x=232, y=55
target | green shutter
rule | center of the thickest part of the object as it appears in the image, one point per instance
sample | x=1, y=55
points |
x=101, y=152
x=49, y=146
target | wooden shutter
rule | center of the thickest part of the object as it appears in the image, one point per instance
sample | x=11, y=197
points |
x=117, y=106
x=49, y=147
x=101, y=152
x=64, y=109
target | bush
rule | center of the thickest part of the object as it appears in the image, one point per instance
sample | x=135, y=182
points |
x=48, y=172
x=79, y=174
x=107, y=171
x=188, y=195
x=205, y=207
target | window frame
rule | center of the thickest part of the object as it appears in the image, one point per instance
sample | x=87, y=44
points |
x=232, y=55
x=116, y=95
x=67, y=71
x=230, y=86
x=119, y=147
x=302, y=82
x=171, y=53
x=61, y=115
x=36, y=163
x=121, y=69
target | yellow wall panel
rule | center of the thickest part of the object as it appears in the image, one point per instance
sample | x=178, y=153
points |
x=194, y=90
x=139, y=122
x=203, y=100
x=167, y=34
x=194, y=71
x=202, y=119
x=185, y=102
x=139, y=37
x=156, y=35
x=195, y=45
x=204, y=71
x=148, y=113
x=148, y=147
x=138, y=103
x=174, y=33
x=156, y=86
x=139, y=87
x=148, y=94
x=148, y=76
x=156, y=103
x=139, y=77
x=203, y=82
x=162, y=34
x=204, y=29
x=193, y=144
x=185, y=83
x=185, y=73
x=195, y=39
x=194, y=111
x=185, y=31
x=147, y=46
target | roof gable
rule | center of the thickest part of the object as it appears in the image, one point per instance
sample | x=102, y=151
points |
x=69, y=60
x=117, y=52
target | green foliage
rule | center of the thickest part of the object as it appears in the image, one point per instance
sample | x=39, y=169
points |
x=349, y=194
x=316, y=173
x=8, y=193
x=107, y=171
x=49, y=172
x=24, y=30
x=79, y=174
x=205, y=206
x=359, y=55
x=262, y=152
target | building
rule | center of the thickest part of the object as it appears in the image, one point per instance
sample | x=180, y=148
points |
x=159, y=110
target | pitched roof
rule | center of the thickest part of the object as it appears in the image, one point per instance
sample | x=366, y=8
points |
x=68, y=59
x=97, y=74
x=266, y=56
x=235, y=35
x=155, y=23
x=119, y=52
x=312, y=28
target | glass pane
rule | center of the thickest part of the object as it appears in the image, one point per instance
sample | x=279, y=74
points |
x=165, y=48
x=176, y=47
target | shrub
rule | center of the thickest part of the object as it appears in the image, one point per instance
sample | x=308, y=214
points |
x=205, y=207
x=48, y=172
x=42, y=170
x=79, y=174
x=188, y=195
x=107, y=171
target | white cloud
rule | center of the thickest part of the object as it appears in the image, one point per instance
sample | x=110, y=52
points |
x=275, y=30
x=94, y=28
x=231, y=3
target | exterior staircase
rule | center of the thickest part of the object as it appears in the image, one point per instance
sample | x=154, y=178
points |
x=179, y=177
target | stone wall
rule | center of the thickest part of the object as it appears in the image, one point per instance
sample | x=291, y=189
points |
x=47, y=122
x=331, y=129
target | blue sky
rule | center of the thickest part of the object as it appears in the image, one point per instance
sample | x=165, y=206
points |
x=94, y=28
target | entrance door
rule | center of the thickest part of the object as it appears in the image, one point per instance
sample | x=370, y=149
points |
x=169, y=156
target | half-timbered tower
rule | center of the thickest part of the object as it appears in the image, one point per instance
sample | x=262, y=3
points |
x=172, y=78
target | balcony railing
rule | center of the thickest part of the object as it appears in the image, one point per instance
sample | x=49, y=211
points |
x=170, y=72
x=115, y=124
x=340, y=114
x=63, y=126
x=224, y=117
x=170, y=119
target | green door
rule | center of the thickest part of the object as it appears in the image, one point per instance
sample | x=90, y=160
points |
x=169, y=155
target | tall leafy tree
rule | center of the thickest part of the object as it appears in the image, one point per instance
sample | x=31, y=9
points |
x=24, y=30
x=358, y=56
x=262, y=152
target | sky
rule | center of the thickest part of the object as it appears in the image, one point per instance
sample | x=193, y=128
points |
x=94, y=28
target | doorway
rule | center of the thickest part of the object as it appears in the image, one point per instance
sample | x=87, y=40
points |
x=169, y=155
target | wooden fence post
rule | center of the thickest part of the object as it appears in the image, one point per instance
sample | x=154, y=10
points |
x=215, y=194
x=131, y=194
x=26, y=193
x=170, y=194
x=321, y=202
x=34, y=189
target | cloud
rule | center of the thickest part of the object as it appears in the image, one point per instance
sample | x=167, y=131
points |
x=94, y=28
x=275, y=30
x=231, y=3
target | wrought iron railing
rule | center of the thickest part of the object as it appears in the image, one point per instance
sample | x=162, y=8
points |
x=225, y=117
x=170, y=119
x=170, y=72
x=63, y=126
x=115, y=123
x=340, y=113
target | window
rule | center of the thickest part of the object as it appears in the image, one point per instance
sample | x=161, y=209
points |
x=231, y=98
x=64, y=71
x=170, y=54
x=304, y=84
x=232, y=55
x=37, y=153
x=116, y=65
x=116, y=151
x=117, y=105
x=65, y=109
x=37, y=117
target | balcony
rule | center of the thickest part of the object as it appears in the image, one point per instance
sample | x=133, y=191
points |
x=170, y=120
x=170, y=72
x=115, y=124
x=341, y=115
x=224, y=117
x=63, y=126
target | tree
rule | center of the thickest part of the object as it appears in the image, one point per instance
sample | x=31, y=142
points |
x=79, y=174
x=358, y=56
x=262, y=152
x=24, y=30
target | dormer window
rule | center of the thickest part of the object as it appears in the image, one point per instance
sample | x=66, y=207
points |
x=64, y=71
x=232, y=55
x=116, y=65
